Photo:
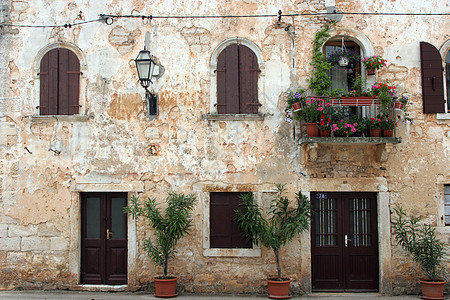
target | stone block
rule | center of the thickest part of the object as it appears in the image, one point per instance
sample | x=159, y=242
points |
x=16, y=258
x=3, y=230
x=35, y=244
x=59, y=244
x=47, y=230
x=21, y=231
x=10, y=244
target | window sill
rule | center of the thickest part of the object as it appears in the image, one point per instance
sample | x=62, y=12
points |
x=254, y=252
x=350, y=140
x=443, y=116
x=53, y=118
x=233, y=117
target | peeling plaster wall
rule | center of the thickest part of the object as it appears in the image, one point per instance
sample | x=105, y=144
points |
x=46, y=162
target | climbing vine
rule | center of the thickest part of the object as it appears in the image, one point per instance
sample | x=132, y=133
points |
x=320, y=81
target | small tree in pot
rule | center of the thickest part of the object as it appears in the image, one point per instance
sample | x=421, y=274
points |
x=169, y=229
x=281, y=226
x=422, y=242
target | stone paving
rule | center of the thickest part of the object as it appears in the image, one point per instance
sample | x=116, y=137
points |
x=72, y=295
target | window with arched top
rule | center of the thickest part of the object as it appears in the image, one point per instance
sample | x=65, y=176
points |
x=237, y=80
x=59, y=83
x=343, y=72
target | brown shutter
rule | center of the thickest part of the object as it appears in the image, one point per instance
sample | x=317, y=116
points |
x=48, y=76
x=432, y=82
x=248, y=81
x=224, y=233
x=228, y=81
x=69, y=82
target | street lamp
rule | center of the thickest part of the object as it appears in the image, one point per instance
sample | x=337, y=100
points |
x=145, y=66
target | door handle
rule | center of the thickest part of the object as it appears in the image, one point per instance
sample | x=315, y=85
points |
x=108, y=233
x=346, y=239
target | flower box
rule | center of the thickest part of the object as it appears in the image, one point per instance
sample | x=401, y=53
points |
x=296, y=106
x=356, y=101
x=398, y=105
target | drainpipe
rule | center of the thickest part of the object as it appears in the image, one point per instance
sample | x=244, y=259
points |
x=293, y=72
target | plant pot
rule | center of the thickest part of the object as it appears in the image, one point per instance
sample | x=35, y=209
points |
x=432, y=290
x=278, y=289
x=370, y=71
x=296, y=106
x=356, y=101
x=388, y=133
x=165, y=288
x=312, y=130
x=398, y=105
x=375, y=132
x=324, y=133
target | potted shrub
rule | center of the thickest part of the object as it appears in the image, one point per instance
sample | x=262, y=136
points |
x=282, y=224
x=374, y=125
x=388, y=125
x=169, y=228
x=422, y=242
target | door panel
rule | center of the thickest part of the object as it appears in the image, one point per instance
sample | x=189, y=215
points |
x=344, y=242
x=103, y=255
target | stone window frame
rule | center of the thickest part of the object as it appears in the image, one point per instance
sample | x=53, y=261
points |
x=213, y=114
x=204, y=198
x=81, y=116
x=445, y=48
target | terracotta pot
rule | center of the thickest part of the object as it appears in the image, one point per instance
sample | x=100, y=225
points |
x=356, y=101
x=432, y=290
x=165, y=288
x=375, y=132
x=312, y=130
x=278, y=289
x=398, y=105
x=370, y=71
x=324, y=133
x=296, y=106
x=388, y=133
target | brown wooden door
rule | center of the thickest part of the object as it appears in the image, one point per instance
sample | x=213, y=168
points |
x=344, y=242
x=103, y=238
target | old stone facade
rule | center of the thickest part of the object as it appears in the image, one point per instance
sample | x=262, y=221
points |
x=112, y=145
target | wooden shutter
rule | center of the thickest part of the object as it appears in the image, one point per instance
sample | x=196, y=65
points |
x=224, y=233
x=432, y=82
x=49, y=83
x=228, y=81
x=248, y=81
x=69, y=83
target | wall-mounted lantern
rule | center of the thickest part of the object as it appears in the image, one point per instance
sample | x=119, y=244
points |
x=145, y=66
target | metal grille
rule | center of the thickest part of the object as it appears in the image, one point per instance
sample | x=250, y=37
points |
x=326, y=229
x=360, y=235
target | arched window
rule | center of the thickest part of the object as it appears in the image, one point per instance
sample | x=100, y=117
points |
x=59, y=82
x=237, y=80
x=343, y=74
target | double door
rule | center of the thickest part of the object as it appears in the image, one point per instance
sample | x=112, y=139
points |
x=103, y=238
x=344, y=242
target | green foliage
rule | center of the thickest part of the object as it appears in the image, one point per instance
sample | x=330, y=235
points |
x=320, y=82
x=421, y=241
x=282, y=225
x=169, y=228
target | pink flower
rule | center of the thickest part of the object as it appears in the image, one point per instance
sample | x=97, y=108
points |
x=353, y=129
x=320, y=108
x=308, y=102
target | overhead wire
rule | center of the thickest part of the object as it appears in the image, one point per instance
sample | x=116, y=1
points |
x=109, y=18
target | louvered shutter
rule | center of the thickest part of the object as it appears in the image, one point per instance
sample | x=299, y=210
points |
x=69, y=83
x=224, y=233
x=248, y=81
x=48, y=77
x=228, y=81
x=432, y=82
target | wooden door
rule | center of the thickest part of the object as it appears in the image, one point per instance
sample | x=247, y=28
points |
x=344, y=242
x=103, y=238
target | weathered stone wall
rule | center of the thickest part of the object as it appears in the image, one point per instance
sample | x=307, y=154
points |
x=113, y=146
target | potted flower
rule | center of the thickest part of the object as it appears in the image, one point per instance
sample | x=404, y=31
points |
x=422, y=242
x=385, y=92
x=345, y=128
x=374, y=125
x=343, y=58
x=282, y=224
x=324, y=126
x=372, y=63
x=169, y=228
x=387, y=125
